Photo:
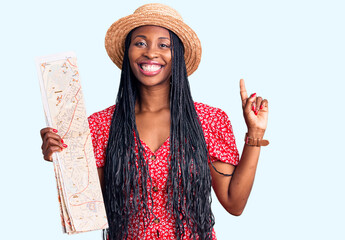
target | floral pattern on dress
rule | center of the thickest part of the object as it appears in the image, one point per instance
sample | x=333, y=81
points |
x=221, y=145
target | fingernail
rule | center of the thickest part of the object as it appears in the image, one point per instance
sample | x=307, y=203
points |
x=61, y=140
x=253, y=108
x=54, y=130
x=262, y=106
x=64, y=145
x=253, y=95
x=256, y=112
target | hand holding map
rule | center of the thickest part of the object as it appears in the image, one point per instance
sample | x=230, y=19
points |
x=80, y=195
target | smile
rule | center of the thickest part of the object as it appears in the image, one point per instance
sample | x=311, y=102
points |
x=150, y=69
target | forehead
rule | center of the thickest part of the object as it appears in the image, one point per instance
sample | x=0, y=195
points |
x=152, y=31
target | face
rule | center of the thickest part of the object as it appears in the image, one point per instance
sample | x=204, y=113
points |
x=150, y=55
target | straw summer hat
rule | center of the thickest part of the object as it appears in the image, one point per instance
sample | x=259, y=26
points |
x=159, y=15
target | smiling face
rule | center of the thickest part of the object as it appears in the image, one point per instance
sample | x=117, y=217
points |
x=150, y=55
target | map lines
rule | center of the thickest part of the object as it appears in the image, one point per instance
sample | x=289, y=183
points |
x=79, y=191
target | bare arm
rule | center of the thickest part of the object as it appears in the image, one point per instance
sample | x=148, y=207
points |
x=233, y=192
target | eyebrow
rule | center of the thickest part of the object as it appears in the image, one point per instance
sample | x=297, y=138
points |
x=143, y=36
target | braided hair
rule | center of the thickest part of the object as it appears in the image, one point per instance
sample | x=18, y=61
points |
x=126, y=172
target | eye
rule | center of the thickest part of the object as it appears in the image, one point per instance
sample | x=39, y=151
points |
x=140, y=44
x=163, y=45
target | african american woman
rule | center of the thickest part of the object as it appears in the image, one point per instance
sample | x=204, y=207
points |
x=157, y=151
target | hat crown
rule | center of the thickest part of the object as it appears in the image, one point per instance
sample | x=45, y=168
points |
x=158, y=8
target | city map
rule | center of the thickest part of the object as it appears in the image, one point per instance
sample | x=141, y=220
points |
x=79, y=191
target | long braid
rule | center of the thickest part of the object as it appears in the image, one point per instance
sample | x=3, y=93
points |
x=189, y=180
x=126, y=170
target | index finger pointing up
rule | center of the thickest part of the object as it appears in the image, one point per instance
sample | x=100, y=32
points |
x=243, y=92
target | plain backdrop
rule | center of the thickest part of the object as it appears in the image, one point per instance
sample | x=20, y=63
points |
x=290, y=52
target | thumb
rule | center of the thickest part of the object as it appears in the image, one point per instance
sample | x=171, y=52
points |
x=250, y=101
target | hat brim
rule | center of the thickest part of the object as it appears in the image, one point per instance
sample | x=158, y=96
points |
x=116, y=35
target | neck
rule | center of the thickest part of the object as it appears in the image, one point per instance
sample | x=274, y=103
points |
x=153, y=98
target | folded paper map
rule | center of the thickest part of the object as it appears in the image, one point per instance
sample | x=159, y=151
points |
x=79, y=191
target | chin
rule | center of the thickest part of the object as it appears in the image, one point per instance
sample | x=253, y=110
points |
x=153, y=82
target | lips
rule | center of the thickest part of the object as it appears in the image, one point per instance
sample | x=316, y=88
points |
x=150, y=68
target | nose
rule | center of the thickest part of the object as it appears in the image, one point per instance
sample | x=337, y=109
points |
x=151, y=52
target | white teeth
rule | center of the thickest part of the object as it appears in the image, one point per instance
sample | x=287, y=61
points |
x=150, y=68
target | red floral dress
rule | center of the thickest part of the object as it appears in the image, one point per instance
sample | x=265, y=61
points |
x=221, y=145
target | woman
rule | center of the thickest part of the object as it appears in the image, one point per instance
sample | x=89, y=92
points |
x=157, y=151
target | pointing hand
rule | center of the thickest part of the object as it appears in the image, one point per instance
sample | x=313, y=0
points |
x=255, y=111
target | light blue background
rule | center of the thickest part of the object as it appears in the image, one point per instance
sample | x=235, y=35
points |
x=290, y=52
